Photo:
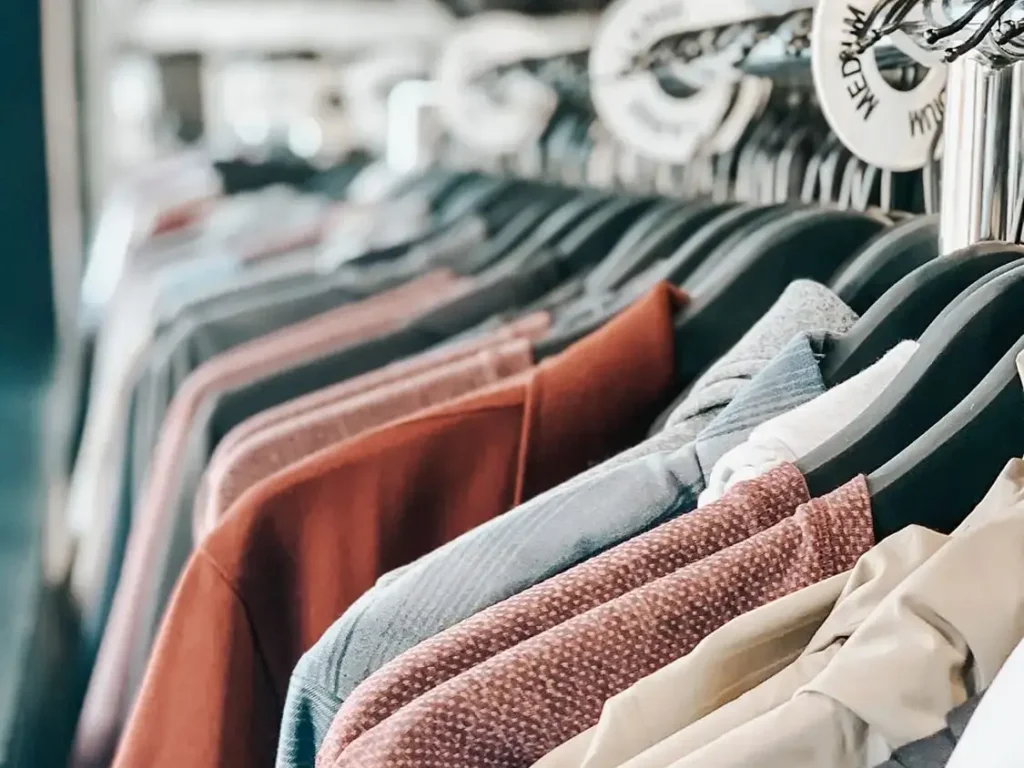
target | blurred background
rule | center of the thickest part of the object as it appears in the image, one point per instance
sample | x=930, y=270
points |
x=251, y=129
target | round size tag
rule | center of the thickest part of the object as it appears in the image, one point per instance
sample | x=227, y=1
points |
x=629, y=100
x=366, y=84
x=882, y=125
x=511, y=111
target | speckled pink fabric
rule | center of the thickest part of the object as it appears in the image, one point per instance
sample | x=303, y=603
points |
x=514, y=708
x=751, y=508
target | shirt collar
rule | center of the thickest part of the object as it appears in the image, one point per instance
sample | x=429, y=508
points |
x=602, y=392
x=791, y=378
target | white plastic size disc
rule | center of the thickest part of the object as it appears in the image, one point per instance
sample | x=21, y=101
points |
x=475, y=117
x=631, y=104
x=880, y=124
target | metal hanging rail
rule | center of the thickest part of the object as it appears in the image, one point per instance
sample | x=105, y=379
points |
x=247, y=26
x=983, y=41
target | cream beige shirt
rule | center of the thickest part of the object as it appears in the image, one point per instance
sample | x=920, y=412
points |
x=940, y=636
x=643, y=723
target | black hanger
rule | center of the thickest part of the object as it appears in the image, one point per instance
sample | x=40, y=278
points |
x=627, y=245
x=430, y=183
x=487, y=194
x=745, y=283
x=706, y=249
x=665, y=239
x=555, y=225
x=583, y=247
x=503, y=207
x=589, y=242
x=956, y=352
x=940, y=477
x=507, y=239
x=885, y=260
x=447, y=192
x=909, y=307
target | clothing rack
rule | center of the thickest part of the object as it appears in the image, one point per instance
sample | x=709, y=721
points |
x=982, y=128
x=290, y=364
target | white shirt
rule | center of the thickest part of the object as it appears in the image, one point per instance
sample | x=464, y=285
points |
x=794, y=434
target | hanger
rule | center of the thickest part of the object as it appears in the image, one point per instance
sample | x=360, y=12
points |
x=505, y=205
x=907, y=309
x=557, y=224
x=589, y=241
x=715, y=239
x=666, y=238
x=701, y=256
x=508, y=238
x=745, y=283
x=885, y=260
x=940, y=477
x=623, y=251
x=448, y=199
x=955, y=353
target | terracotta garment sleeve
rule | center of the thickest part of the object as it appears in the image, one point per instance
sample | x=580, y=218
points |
x=222, y=635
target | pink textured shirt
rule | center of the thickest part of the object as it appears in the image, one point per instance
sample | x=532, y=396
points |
x=107, y=699
x=516, y=707
x=280, y=436
x=750, y=507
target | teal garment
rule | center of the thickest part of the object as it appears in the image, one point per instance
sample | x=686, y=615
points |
x=622, y=498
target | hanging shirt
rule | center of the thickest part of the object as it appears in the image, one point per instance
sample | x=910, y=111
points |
x=775, y=643
x=758, y=345
x=132, y=616
x=938, y=638
x=271, y=578
x=560, y=528
x=247, y=309
x=607, y=576
x=274, y=439
x=516, y=707
x=794, y=434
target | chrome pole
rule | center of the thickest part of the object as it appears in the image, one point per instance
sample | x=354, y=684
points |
x=981, y=133
x=1016, y=146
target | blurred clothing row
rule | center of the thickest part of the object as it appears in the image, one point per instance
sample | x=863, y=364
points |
x=473, y=476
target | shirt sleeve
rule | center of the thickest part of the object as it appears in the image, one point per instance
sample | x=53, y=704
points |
x=207, y=698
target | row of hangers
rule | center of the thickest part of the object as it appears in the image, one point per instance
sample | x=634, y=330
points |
x=932, y=443
x=746, y=221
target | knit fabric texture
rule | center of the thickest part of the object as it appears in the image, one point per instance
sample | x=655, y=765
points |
x=514, y=708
